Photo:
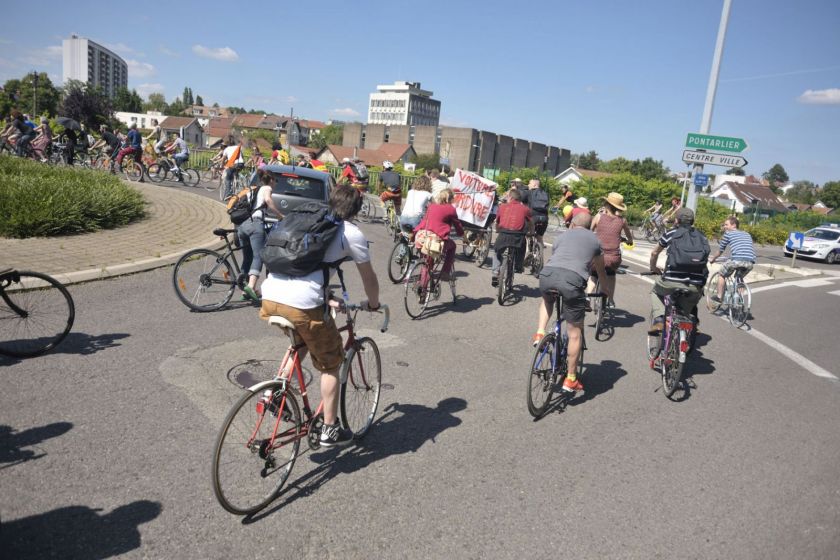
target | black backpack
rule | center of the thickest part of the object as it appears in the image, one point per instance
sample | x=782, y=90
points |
x=296, y=245
x=688, y=251
x=361, y=171
x=538, y=200
x=240, y=206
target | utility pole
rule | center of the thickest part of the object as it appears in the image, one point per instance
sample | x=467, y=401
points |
x=710, y=94
x=34, y=94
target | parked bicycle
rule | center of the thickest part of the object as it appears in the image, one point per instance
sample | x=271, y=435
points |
x=423, y=284
x=476, y=243
x=667, y=352
x=402, y=256
x=36, y=313
x=549, y=365
x=205, y=280
x=737, y=297
x=259, y=440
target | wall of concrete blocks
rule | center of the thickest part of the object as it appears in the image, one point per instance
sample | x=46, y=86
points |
x=487, y=152
x=424, y=139
x=374, y=136
x=352, y=136
x=398, y=134
x=536, y=156
x=460, y=141
x=504, y=152
x=520, y=153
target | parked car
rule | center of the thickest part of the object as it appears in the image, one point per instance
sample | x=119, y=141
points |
x=294, y=185
x=821, y=243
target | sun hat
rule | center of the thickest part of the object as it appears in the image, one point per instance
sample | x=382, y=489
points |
x=581, y=202
x=616, y=201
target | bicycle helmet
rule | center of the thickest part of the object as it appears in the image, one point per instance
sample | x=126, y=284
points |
x=387, y=164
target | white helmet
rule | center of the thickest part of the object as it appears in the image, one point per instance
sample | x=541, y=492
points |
x=345, y=160
x=387, y=164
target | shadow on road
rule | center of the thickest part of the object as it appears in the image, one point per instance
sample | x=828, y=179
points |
x=444, y=304
x=403, y=428
x=12, y=443
x=77, y=532
x=75, y=343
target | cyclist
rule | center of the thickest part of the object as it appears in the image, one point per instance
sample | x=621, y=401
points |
x=538, y=201
x=303, y=162
x=609, y=225
x=576, y=252
x=677, y=276
x=109, y=140
x=317, y=164
x=182, y=154
x=655, y=212
x=43, y=139
x=440, y=218
x=25, y=132
x=133, y=145
x=392, y=190
x=514, y=220
x=234, y=162
x=156, y=138
x=742, y=253
x=252, y=231
x=438, y=184
x=301, y=300
x=416, y=201
x=669, y=216
x=349, y=172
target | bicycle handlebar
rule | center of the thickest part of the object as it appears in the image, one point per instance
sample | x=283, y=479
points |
x=597, y=294
x=383, y=308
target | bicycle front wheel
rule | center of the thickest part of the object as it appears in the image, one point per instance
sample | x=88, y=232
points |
x=36, y=313
x=366, y=213
x=256, y=449
x=361, y=374
x=543, y=374
x=190, y=177
x=670, y=365
x=203, y=280
x=398, y=262
x=133, y=171
x=417, y=293
x=739, y=308
x=598, y=310
x=711, y=289
x=156, y=172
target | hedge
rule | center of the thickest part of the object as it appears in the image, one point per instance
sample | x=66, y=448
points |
x=37, y=200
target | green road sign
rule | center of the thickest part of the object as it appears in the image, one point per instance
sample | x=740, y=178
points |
x=715, y=143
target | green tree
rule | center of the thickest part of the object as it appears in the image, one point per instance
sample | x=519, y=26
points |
x=650, y=168
x=801, y=192
x=547, y=181
x=88, y=105
x=199, y=100
x=129, y=101
x=830, y=194
x=586, y=161
x=776, y=174
x=33, y=93
x=735, y=171
x=426, y=161
x=330, y=134
x=156, y=102
x=175, y=108
x=187, y=97
x=617, y=165
x=236, y=110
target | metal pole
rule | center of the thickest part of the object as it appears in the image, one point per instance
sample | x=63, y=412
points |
x=710, y=93
x=34, y=94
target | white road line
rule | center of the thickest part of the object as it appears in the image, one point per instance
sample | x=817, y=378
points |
x=789, y=353
x=835, y=293
x=812, y=283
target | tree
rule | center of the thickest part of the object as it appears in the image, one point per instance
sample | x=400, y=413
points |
x=187, y=98
x=88, y=105
x=34, y=93
x=776, y=175
x=129, y=101
x=175, y=108
x=802, y=192
x=330, y=134
x=735, y=171
x=426, y=161
x=156, y=102
x=586, y=161
x=650, y=168
x=199, y=100
x=216, y=105
x=236, y=110
x=830, y=194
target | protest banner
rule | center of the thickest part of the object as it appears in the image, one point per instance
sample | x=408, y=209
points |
x=473, y=196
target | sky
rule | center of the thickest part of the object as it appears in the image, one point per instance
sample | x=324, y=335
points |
x=621, y=77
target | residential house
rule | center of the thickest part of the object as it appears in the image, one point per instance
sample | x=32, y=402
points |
x=218, y=130
x=186, y=127
x=746, y=196
x=143, y=120
x=572, y=174
x=333, y=154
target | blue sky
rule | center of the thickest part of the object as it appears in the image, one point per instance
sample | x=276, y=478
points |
x=624, y=78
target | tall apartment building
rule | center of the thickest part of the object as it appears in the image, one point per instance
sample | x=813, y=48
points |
x=93, y=64
x=403, y=103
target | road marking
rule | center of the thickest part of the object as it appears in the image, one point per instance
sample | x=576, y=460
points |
x=812, y=283
x=789, y=353
x=835, y=293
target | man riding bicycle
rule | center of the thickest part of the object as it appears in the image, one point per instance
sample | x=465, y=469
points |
x=742, y=254
x=182, y=154
x=392, y=190
x=134, y=144
x=576, y=252
x=514, y=220
x=538, y=201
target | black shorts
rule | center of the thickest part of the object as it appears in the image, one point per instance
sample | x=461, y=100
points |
x=540, y=224
x=571, y=287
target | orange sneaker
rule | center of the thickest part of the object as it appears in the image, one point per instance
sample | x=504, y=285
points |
x=572, y=386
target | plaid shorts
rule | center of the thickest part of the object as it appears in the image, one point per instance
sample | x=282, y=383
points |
x=727, y=268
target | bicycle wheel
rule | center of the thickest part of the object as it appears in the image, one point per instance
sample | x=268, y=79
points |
x=156, y=172
x=504, y=272
x=207, y=174
x=417, y=295
x=190, y=177
x=468, y=248
x=483, y=249
x=398, y=262
x=133, y=171
x=536, y=259
x=256, y=449
x=36, y=313
x=366, y=213
x=543, y=374
x=211, y=183
x=670, y=365
x=598, y=311
x=739, y=308
x=204, y=280
x=361, y=374
x=711, y=289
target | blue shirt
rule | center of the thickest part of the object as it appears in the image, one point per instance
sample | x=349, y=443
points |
x=740, y=245
x=134, y=139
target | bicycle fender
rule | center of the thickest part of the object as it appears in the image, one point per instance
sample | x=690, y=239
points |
x=261, y=385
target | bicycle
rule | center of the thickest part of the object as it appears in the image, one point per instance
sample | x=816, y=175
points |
x=550, y=362
x=239, y=181
x=36, y=313
x=392, y=220
x=506, y=273
x=422, y=284
x=737, y=296
x=260, y=438
x=651, y=230
x=402, y=257
x=667, y=352
x=205, y=280
x=212, y=175
x=534, y=254
x=160, y=170
x=476, y=244
x=131, y=168
x=599, y=309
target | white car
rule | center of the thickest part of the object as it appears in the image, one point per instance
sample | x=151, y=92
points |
x=821, y=243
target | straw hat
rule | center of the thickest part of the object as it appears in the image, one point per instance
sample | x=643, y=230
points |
x=616, y=201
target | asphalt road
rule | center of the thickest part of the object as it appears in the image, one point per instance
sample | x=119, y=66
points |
x=105, y=445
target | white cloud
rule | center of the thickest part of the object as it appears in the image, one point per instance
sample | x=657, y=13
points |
x=169, y=52
x=43, y=57
x=137, y=69
x=346, y=112
x=225, y=54
x=821, y=97
x=145, y=89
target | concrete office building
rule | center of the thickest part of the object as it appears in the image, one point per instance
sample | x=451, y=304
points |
x=93, y=64
x=403, y=103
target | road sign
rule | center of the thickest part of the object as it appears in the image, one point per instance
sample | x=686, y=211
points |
x=717, y=143
x=796, y=239
x=706, y=158
x=444, y=161
x=701, y=179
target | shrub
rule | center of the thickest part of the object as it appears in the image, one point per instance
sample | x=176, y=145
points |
x=37, y=200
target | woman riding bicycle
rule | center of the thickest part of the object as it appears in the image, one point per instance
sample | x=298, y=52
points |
x=418, y=198
x=609, y=226
x=440, y=218
x=252, y=234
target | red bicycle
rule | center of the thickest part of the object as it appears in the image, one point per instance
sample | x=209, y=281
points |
x=260, y=438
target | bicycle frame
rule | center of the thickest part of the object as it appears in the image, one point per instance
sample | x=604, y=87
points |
x=685, y=325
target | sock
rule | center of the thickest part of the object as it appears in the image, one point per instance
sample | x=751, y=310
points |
x=572, y=377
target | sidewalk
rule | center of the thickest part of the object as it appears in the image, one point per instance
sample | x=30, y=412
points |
x=176, y=222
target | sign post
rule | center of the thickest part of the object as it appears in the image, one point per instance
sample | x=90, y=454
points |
x=796, y=239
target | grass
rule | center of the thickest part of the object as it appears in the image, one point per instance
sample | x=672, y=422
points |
x=38, y=200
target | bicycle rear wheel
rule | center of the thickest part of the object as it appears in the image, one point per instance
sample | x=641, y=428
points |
x=417, y=292
x=670, y=365
x=483, y=248
x=536, y=258
x=256, y=449
x=711, y=289
x=505, y=277
x=399, y=261
x=543, y=374
x=36, y=313
x=361, y=373
x=203, y=280
x=366, y=213
x=739, y=308
x=598, y=310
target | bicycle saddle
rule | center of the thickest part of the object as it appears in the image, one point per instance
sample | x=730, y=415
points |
x=221, y=232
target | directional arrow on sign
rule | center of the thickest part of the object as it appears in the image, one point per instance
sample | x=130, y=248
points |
x=716, y=143
x=706, y=158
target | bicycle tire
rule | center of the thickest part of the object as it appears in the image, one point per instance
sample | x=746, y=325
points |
x=467, y=249
x=598, y=311
x=670, y=366
x=417, y=296
x=133, y=171
x=739, y=307
x=207, y=269
x=361, y=373
x=711, y=289
x=504, y=272
x=536, y=259
x=211, y=183
x=365, y=214
x=207, y=174
x=30, y=303
x=157, y=173
x=543, y=375
x=483, y=249
x=251, y=464
x=190, y=177
x=398, y=264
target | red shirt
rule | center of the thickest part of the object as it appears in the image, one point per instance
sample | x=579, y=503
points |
x=513, y=216
x=439, y=218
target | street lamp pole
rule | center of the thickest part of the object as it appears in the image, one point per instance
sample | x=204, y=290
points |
x=710, y=94
x=34, y=94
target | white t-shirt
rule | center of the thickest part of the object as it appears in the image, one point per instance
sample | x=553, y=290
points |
x=228, y=153
x=259, y=207
x=438, y=185
x=414, y=202
x=307, y=292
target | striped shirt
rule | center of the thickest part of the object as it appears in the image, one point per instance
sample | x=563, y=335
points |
x=740, y=245
x=682, y=276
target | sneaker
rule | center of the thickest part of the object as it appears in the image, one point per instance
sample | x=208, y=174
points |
x=572, y=386
x=494, y=281
x=250, y=293
x=535, y=340
x=715, y=298
x=332, y=435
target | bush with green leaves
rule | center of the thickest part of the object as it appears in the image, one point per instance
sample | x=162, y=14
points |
x=37, y=200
